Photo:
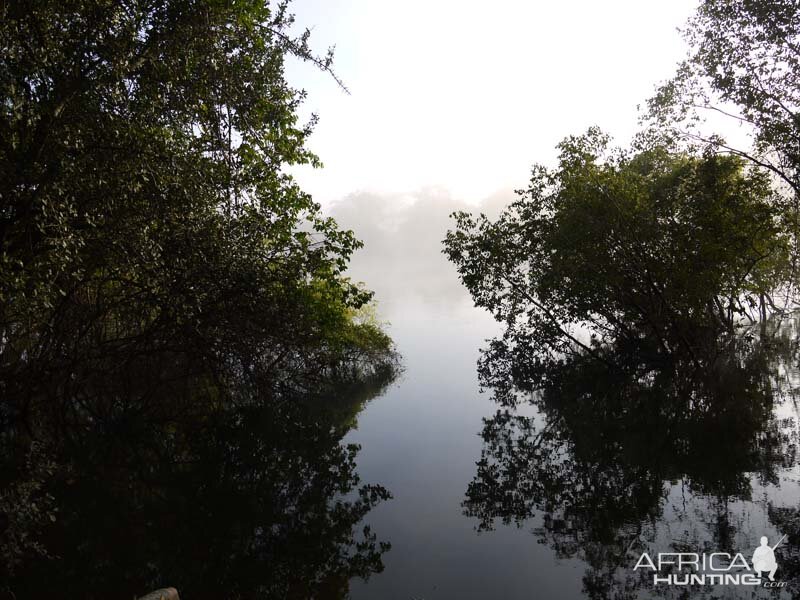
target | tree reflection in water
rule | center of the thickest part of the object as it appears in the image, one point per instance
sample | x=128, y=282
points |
x=656, y=458
x=252, y=499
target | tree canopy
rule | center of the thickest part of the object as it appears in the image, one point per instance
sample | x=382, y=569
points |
x=744, y=64
x=145, y=200
x=651, y=248
x=159, y=268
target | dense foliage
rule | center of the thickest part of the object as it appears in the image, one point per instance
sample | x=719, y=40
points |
x=652, y=249
x=158, y=266
x=744, y=65
x=145, y=204
x=637, y=289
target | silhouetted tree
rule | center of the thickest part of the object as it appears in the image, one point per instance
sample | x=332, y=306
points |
x=654, y=249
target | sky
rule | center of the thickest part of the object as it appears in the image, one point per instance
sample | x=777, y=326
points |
x=463, y=96
x=451, y=103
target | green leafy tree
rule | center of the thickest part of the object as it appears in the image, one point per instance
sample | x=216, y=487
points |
x=145, y=204
x=742, y=70
x=158, y=266
x=744, y=64
x=659, y=251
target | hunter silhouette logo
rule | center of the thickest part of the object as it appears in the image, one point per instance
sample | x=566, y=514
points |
x=764, y=558
x=716, y=568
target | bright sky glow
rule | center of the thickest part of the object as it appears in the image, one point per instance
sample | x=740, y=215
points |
x=465, y=96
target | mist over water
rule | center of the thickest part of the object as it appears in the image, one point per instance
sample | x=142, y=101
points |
x=197, y=393
x=483, y=508
x=465, y=496
x=402, y=258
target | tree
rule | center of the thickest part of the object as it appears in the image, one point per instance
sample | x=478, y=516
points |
x=744, y=64
x=658, y=251
x=145, y=203
x=159, y=269
x=743, y=67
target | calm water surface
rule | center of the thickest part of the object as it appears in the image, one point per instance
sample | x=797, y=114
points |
x=557, y=498
x=586, y=518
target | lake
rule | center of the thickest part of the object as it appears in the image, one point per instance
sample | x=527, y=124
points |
x=422, y=440
x=486, y=505
x=560, y=496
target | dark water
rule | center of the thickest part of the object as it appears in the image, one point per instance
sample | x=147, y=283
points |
x=561, y=500
x=423, y=487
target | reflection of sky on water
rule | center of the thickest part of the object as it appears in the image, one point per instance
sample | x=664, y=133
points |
x=421, y=440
